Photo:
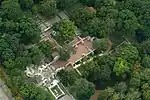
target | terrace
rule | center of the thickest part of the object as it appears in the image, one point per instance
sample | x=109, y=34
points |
x=83, y=47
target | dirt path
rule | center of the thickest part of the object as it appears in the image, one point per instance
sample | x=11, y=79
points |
x=110, y=45
x=95, y=96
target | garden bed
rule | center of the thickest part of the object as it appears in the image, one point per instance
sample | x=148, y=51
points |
x=56, y=90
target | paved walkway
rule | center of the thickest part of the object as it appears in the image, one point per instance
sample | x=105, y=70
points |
x=3, y=96
x=5, y=93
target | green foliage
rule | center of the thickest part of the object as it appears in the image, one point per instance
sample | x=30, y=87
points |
x=121, y=87
x=36, y=55
x=82, y=15
x=68, y=78
x=133, y=95
x=63, y=4
x=121, y=66
x=129, y=53
x=64, y=54
x=127, y=23
x=11, y=10
x=9, y=64
x=17, y=30
x=26, y=4
x=99, y=3
x=128, y=18
x=30, y=33
x=86, y=88
x=101, y=44
x=48, y=8
x=46, y=48
x=135, y=80
x=95, y=28
x=145, y=47
x=114, y=93
x=88, y=2
x=146, y=61
x=146, y=91
x=98, y=69
x=65, y=30
x=105, y=94
x=22, y=62
x=30, y=92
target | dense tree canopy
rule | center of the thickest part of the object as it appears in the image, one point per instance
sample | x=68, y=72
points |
x=17, y=31
x=36, y=55
x=101, y=44
x=98, y=69
x=146, y=61
x=121, y=66
x=125, y=71
x=129, y=53
x=82, y=15
x=30, y=92
x=30, y=33
x=68, y=78
x=86, y=89
x=64, y=4
x=11, y=10
x=26, y=4
x=48, y=8
x=65, y=30
x=46, y=48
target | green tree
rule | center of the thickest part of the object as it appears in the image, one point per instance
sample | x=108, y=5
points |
x=8, y=54
x=100, y=3
x=98, y=69
x=68, y=78
x=46, y=48
x=10, y=64
x=65, y=30
x=146, y=61
x=129, y=53
x=13, y=41
x=26, y=4
x=48, y=8
x=127, y=23
x=82, y=15
x=30, y=33
x=63, y=4
x=146, y=91
x=135, y=80
x=11, y=10
x=121, y=66
x=88, y=2
x=30, y=92
x=106, y=94
x=64, y=54
x=145, y=47
x=133, y=95
x=86, y=88
x=145, y=74
x=22, y=62
x=103, y=95
x=95, y=27
x=121, y=87
x=36, y=55
x=101, y=44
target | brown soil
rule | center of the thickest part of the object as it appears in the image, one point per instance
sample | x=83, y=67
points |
x=95, y=96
